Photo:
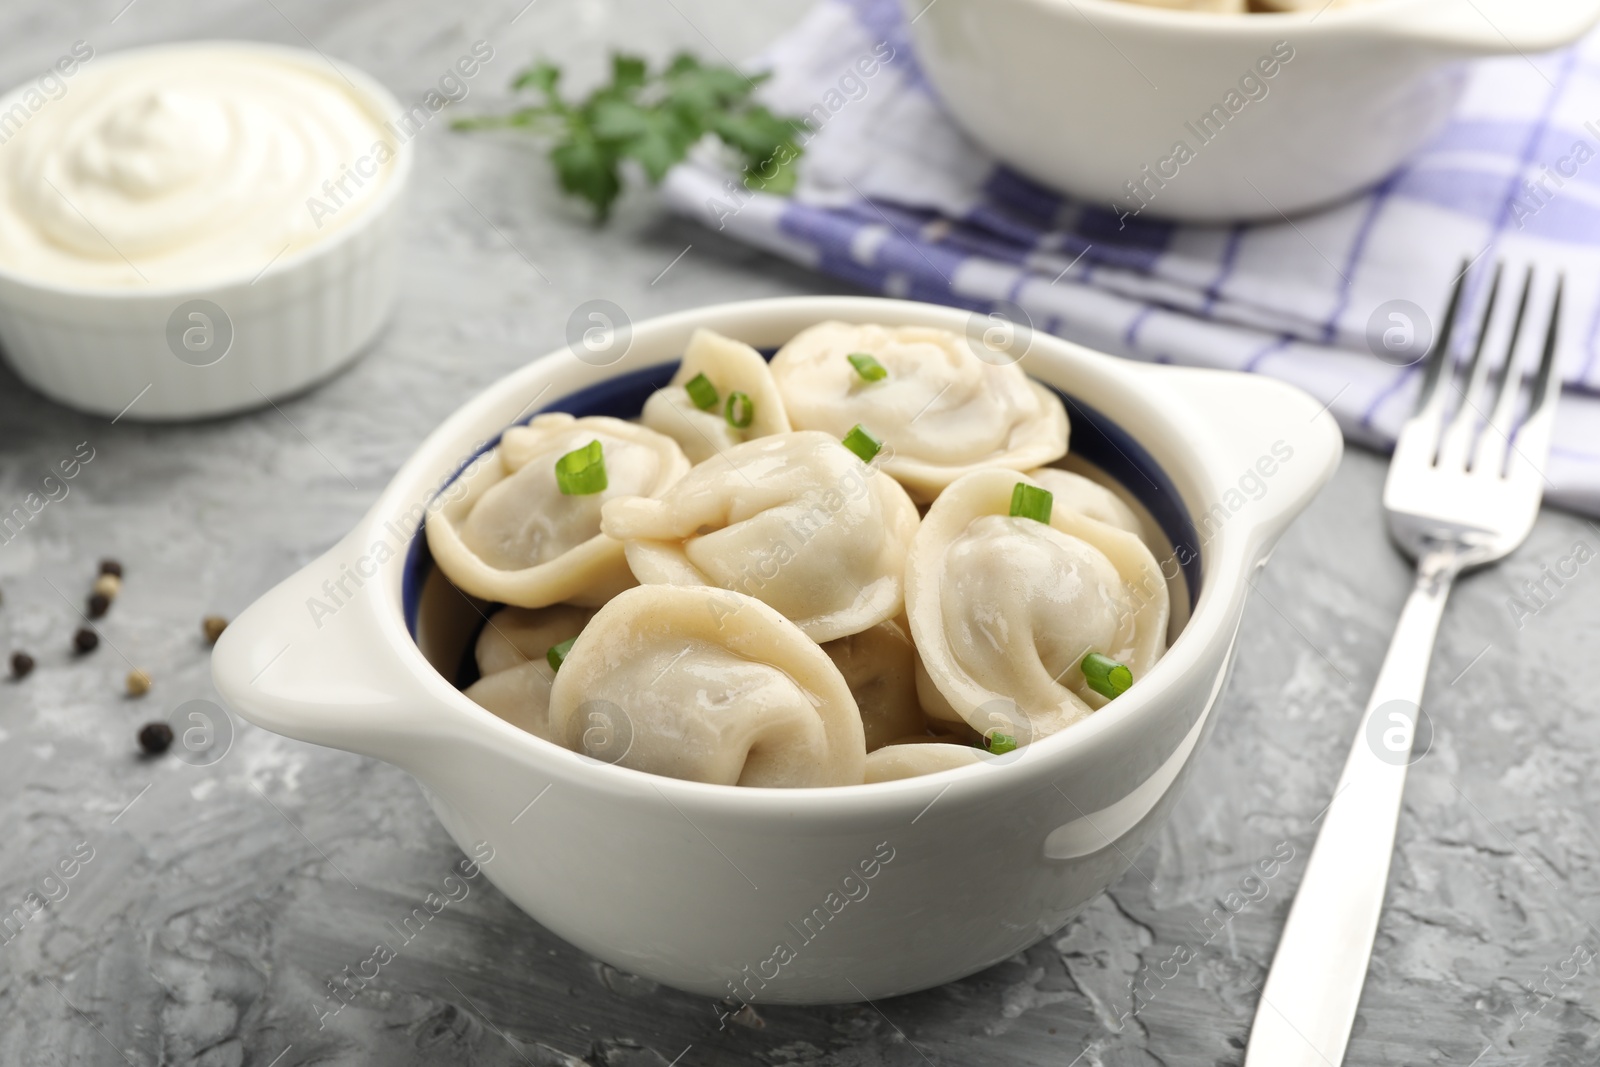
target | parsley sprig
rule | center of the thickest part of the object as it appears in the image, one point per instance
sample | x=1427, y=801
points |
x=652, y=119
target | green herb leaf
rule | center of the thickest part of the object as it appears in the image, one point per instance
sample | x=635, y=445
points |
x=543, y=76
x=862, y=443
x=656, y=139
x=587, y=168
x=653, y=119
x=1105, y=675
x=628, y=72
x=701, y=392
x=740, y=410
x=582, y=471
x=779, y=181
x=558, y=653
x=694, y=87
x=868, y=367
x=999, y=743
x=1031, y=502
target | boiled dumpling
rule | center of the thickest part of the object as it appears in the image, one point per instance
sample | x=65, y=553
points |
x=1077, y=493
x=1004, y=609
x=795, y=520
x=710, y=686
x=519, y=695
x=514, y=636
x=730, y=366
x=913, y=757
x=879, y=666
x=511, y=655
x=940, y=411
x=512, y=536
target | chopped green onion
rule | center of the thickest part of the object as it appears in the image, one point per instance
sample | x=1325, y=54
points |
x=862, y=443
x=701, y=392
x=999, y=743
x=582, y=471
x=558, y=653
x=740, y=410
x=866, y=366
x=1031, y=502
x=1105, y=675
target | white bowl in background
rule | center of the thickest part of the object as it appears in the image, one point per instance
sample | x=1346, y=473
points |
x=1083, y=95
x=304, y=317
x=688, y=883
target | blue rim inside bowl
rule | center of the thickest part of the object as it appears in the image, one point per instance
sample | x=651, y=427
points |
x=1094, y=437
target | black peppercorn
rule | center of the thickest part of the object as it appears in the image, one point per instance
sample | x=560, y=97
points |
x=155, y=737
x=111, y=566
x=85, y=640
x=21, y=665
x=99, y=604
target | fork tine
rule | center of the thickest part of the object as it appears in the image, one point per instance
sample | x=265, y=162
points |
x=1494, y=438
x=1439, y=355
x=1458, y=430
x=1532, y=440
x=1478, y=369
x=1541, y=386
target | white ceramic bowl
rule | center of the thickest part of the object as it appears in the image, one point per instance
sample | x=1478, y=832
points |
x=688, y=883
x=1083, y=95
x=306, y=315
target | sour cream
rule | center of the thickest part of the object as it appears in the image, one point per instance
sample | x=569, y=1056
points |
x=185, y=165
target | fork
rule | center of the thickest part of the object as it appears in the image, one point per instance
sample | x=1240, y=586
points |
x=1463, y=491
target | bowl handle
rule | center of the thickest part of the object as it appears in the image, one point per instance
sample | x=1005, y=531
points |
x=1494, y=27
x=1268, y=446
x=313, y=659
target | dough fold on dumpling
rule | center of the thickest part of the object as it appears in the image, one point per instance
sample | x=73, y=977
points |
x=520, y=695
x=710, y=686
x=512, y=536
x=912, y=757
x=940, y=411
x=879, y=665
x=1003, y=609
x=515, y=673
x=513, y=636
x=731, y=366
x=795, y=520
x=1088, y=497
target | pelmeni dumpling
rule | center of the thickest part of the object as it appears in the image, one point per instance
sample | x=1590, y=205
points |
x=1004, y=609
x=511, y=535
x=1077, y=493
x=710, y=686
x=511, y=654
x=940, y=411
x=794, y=520
x=731, y=366
x=514, y=636
x=519, y=695
x=912, y=757
x=879, y=666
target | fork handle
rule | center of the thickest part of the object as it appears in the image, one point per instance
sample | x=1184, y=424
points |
x=1309, y=1003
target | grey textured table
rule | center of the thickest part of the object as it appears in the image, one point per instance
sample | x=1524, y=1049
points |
x=219, y=900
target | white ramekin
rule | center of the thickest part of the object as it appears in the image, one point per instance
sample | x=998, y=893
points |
x=106, y=350
x=691, y=884
x=1086, y=96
